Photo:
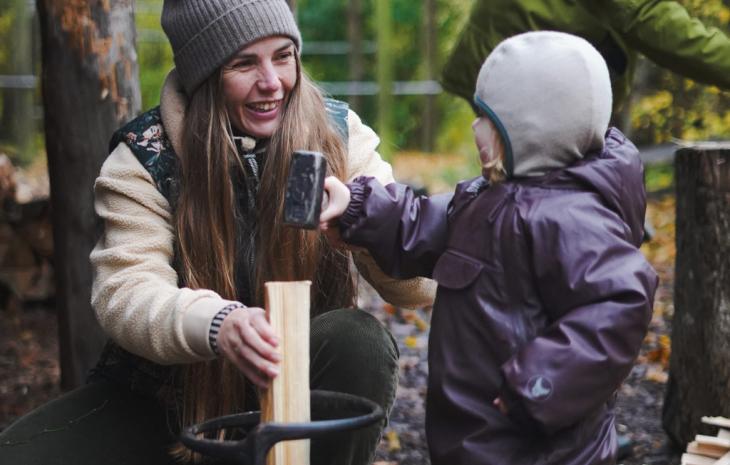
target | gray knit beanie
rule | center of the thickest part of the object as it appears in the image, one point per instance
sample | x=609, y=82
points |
x=549, y=95
x=204, y=34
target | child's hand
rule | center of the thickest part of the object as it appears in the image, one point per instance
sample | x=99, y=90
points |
x=501, y=406
x=334, y=205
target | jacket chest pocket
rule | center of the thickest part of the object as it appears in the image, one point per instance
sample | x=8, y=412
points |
x=455, y=270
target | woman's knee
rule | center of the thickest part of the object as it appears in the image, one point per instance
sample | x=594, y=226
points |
x=96, y=423
x=349, y=348
x=353, y=334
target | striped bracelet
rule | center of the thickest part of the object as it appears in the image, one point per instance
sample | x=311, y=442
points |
x=215, y=325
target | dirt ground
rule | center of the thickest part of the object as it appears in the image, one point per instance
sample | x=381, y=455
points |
x=29, y=371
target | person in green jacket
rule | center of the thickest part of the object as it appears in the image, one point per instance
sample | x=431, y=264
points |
x=661, y=30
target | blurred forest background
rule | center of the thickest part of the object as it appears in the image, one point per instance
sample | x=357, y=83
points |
x=341, y=44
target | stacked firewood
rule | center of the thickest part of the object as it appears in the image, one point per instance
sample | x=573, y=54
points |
x=26, y=239
x=710, y=450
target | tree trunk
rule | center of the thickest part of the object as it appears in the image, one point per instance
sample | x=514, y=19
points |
x=430, y=43
x=699, y=380
x=90, y=86
x=354, y=36
x=383, y=18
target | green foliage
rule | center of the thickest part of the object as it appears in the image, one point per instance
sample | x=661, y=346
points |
x=406, y=48
x=659, y=176
x=153, y=50
x=665, y=106
x=7, y=17
x=675, y=107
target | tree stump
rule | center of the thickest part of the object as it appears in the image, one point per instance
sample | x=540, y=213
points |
x=699, y=372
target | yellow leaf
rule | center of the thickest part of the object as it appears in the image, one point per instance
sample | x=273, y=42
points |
x=393, y=441
x=411, y=342
x=420, y=324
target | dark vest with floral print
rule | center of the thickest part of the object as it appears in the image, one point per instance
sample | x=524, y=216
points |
x=146, y=138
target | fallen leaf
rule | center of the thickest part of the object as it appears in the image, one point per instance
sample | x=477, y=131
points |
x=389, y=308
x=393, y=441
x=657, y=374
x=421, y=324
x=411, y=342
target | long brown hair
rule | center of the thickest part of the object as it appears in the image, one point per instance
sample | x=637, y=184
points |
x=206, y=225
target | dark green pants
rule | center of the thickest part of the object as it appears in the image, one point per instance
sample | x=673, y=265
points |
x=104, y=423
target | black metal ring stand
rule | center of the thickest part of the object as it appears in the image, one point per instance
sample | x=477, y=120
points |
x=350, y=412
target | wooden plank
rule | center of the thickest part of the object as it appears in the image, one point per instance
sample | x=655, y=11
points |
x=722, y=422
x=724, y=460
x=692, y=459
x=712, y=441
x=287, y=399
x=703, y=449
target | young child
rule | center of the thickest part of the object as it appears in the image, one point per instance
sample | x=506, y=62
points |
x=544, y=298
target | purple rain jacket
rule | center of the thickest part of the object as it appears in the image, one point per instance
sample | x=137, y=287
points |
x=544, y=300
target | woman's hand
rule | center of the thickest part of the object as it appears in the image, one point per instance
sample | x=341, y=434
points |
x=337, y=200
x=248, y=341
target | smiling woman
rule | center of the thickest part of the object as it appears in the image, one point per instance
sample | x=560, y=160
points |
x=192, y=199
x=256, y=83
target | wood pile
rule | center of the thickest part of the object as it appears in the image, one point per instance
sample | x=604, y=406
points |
x=26, y=239
x=710, y=450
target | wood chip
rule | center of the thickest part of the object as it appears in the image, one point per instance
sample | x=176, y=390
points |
x=724, y=460
x=692, y=459
x=712, y=441
x=707, y=450
x=722, y=422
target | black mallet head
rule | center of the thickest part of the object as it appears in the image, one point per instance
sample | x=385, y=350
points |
x=304, y=189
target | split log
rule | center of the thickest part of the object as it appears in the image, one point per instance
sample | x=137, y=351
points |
x=287, y=399
x=693, y=459
x=721, y=422
x=699, y=372
x=706, y=450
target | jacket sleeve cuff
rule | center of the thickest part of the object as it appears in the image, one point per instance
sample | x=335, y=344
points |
x=196, y=323
x=215, y=325
x=359, y=191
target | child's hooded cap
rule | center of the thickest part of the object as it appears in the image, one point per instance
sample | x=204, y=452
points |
x=204, y=34
x=549, y=95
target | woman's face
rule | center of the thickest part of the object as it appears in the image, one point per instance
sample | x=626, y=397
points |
x=257, y=82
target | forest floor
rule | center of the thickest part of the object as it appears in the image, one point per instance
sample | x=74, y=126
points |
x=29, y=369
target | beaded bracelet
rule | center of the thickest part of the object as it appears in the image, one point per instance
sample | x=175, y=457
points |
x=215, y=325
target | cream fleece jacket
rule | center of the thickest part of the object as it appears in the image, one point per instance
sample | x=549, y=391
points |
x=135, y=292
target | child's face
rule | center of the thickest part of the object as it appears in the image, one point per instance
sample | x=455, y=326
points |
x=487, y=140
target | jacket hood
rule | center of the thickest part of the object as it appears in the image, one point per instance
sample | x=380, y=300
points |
x=617, y=175
x=549, y=95
x=173, y=102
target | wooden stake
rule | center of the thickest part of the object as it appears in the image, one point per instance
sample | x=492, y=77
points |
x=287, y=399
x=702, y=449
x=692, y=459
x=724, y=460
x=722, y=422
